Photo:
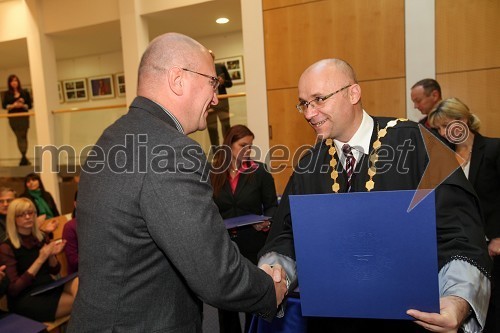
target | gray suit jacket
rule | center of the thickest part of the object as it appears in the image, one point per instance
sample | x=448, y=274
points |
x=152, y=245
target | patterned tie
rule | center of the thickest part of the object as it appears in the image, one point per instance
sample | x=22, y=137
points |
x=349, y=164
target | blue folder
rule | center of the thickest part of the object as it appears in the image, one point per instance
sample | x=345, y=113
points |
x=52, y=285
x=13, y=323
x=362, y=255
x=240, y=221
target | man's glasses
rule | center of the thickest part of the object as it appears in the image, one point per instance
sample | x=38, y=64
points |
x=214, y=82
x=5, y=201
x=28, y=213
x=317, y=101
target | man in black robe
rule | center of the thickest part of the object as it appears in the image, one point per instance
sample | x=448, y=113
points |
x=330, y=100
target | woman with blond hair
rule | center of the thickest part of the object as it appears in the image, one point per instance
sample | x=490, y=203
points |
x=479, y=157
x=31, y=261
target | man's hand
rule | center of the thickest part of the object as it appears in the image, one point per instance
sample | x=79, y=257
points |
x=454, y=310
x=47, y=226
x=494, y=247
x=262, y=226
x=279, y=277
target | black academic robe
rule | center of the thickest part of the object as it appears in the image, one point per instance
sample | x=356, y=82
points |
x=459, y=225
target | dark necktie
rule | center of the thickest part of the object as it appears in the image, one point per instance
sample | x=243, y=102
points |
x=349, y=164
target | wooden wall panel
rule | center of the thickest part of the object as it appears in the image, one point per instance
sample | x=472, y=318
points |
x=468, y=57
x=467, y=35
x=271, y=4
x=281, y=179
x=384, y=98
x=288, y=125
x=479, y=91
x=367, y=34
x=297, y=33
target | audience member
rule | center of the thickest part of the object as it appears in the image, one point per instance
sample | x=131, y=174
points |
x=330, y=100
x=6, y=196
x=425, y=95
x=31, y=260
x=480, y=160
x=71, y=248
x=221, y=110
x=18, y=100
x=152, y=245
x=35, y=191
x=4, y=281
x=241, y=187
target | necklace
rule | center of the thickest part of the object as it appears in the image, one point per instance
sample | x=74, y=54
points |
x=372, y=169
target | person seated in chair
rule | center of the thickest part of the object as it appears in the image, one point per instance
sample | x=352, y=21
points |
x=30, y=260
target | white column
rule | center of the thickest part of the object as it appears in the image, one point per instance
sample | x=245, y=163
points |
x=255, y=79
x=135, y=39
x=420, y=47
x=43, y=71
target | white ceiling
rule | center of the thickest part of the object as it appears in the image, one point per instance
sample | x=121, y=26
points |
x=196, y=21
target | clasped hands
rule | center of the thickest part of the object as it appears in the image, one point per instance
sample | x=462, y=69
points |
x=18, y=104
x=52, y=248
x=279, y=277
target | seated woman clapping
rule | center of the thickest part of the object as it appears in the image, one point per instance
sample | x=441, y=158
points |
x=31, y=261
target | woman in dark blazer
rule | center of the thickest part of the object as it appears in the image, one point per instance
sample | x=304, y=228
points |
x=18, y=100
x=242, y=186
x=480, y=160
x=35, y=191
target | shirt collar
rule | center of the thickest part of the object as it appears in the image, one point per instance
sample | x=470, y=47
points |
x=360, y=141
x=177, y=123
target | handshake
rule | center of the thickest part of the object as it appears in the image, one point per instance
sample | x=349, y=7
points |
x=281, y=282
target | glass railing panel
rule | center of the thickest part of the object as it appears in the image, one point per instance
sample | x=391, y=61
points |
x=81, y=128
x=237, y=114
x=9, y=153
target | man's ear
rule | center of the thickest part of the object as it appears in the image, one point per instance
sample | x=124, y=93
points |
x=176, y=80
x=354, y=93
x=435, y=95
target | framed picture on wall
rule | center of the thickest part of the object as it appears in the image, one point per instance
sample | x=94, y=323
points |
x=120, y=84
x=234, y=66
x=60, y=92
x=101, y=87
x=75, y=90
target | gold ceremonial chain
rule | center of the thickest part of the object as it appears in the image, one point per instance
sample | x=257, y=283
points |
x=372, y=170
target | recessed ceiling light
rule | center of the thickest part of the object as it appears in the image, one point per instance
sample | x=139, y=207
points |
x=222, y=20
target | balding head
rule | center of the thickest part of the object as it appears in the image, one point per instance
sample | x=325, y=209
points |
x=336, y=69
x=329, y=90
x=178, y=73
x=165, y=51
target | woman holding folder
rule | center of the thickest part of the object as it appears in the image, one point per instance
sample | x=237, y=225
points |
x=241, y=187
x=31, y=261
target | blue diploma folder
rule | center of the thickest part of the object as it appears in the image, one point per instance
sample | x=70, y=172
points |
x=239, y=221
x=362, y=255
x=52, y=285
x=13, y=323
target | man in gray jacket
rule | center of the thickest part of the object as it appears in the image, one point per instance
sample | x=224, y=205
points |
x=152, y=243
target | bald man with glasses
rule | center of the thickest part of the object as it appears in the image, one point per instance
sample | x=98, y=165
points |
x=152, y=244
x=344, y=160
